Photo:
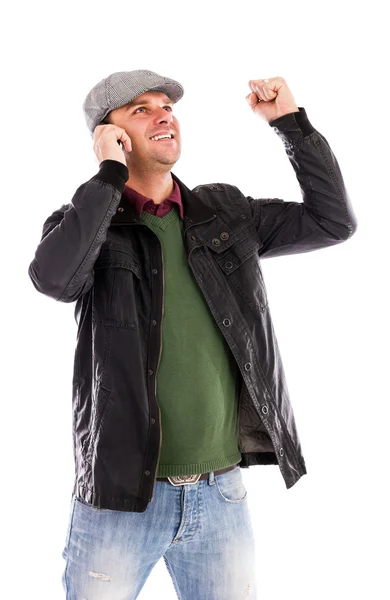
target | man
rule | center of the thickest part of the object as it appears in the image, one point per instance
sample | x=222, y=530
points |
x=178, y=380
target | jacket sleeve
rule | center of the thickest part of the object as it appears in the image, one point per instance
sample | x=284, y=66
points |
x=325, y=217
x=73, y=235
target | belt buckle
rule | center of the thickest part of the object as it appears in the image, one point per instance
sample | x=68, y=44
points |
x=184, y=479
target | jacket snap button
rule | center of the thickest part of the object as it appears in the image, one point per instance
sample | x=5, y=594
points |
x=224, y=235
x=216, y=242
x=228, y=265
x=264, y=409
x=120, y=209
x=153, y=421
x=154, y=322
x=226, y=322
x=150, y=372
x=147, y=472
x=154, y=271
x=247, y=366
x=193, y=237
x=281, y=452
x=243, y=216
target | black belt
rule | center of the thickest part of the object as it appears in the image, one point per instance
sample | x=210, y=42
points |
x=189, y=479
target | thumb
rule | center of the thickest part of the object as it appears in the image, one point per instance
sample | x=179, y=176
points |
x=252, y=99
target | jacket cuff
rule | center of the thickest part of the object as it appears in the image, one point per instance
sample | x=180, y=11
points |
x=295, y=125
x=113, y=172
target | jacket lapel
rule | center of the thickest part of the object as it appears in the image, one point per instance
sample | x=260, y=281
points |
x=195, y=210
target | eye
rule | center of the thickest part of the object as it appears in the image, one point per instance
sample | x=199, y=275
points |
x=170, y=108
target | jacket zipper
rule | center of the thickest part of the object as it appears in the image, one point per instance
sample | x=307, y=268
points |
x=158, y=364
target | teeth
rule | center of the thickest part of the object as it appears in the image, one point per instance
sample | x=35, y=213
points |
x=160, y=137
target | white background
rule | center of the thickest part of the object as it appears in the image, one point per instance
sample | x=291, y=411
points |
x=327, y=536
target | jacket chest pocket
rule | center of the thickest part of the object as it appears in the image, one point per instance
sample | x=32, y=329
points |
x=117, y=277
x=241, y=265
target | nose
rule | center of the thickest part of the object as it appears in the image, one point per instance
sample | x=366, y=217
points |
x=164, y=116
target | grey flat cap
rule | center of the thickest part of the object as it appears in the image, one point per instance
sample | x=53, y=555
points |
x=120, y=88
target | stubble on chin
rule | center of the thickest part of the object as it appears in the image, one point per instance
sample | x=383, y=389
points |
x=154, y=158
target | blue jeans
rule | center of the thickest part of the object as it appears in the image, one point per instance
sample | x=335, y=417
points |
x=202, y=530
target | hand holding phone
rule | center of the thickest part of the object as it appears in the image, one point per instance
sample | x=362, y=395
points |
x=106, y=140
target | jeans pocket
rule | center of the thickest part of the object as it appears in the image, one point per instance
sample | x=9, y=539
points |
x=83, y=502
x=230, y=486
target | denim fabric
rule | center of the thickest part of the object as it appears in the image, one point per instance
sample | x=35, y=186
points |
x=203, y=531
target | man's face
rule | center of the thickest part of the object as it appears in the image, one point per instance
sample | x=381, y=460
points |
x=147, y=115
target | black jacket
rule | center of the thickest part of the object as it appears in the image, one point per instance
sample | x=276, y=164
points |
x=96, y=252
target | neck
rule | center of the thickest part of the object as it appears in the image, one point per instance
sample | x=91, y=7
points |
x=157, y=186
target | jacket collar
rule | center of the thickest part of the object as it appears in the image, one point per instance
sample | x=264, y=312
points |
x=195, y=209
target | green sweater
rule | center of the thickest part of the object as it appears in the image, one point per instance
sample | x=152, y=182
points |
x=197, y=378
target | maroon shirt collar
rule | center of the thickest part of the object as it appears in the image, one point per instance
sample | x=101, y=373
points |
x=159, y=210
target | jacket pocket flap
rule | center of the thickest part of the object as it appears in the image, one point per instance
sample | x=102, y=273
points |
x=117, y=258
x=236, y=255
